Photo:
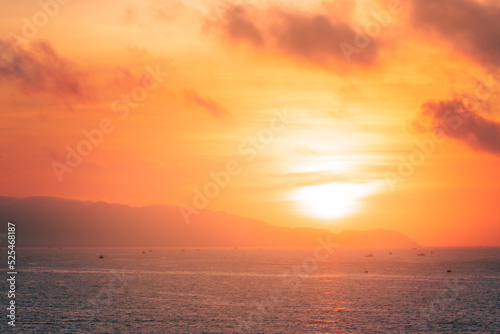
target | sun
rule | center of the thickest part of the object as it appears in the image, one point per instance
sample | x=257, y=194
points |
x=331, y=200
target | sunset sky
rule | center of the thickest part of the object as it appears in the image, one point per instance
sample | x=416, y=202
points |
x=333, y=114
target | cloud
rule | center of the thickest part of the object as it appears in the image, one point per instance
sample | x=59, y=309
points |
x=326, y=36
x=129, y=15
x=39, y=70
x=168, y=11
x=239, y=26
x=461, y=122
x=280, y=181
x=305, y=150
x=123, y=79
x=468, y=25
x=213, y=108
x=181, y=16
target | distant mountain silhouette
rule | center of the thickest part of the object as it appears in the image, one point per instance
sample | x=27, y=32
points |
x=374, y=238
x=50, y=221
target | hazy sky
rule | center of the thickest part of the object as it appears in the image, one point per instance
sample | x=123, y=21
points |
x=334, y=114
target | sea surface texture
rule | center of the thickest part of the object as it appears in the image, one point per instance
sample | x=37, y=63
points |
x=215, y=290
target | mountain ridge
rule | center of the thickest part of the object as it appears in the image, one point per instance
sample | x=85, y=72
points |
x=45, y=221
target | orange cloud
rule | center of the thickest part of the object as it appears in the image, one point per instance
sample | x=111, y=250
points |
x=39, y=69
x=238, y=25
x=461, y=122
x=129, y=15
x=325, y=37
x=469, y=26
x=210, y=106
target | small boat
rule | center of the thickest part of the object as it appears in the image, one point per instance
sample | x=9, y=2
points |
x=421, y=254
x=369, y=255
x=101, y=257
x=448, y=271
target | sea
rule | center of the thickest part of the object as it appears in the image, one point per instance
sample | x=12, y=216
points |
x=254, y=290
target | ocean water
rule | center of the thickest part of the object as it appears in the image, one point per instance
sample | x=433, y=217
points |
x=216, y=290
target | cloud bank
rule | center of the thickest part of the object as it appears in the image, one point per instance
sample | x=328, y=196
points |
x=326, y=37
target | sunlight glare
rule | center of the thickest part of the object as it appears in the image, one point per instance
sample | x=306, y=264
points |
x=332, y=200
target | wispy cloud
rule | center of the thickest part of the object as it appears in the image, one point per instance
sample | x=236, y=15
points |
x=192, y=97
x=39, y=69
x=129, y=15
x=305, y=150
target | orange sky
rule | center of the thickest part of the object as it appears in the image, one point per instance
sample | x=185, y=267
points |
x=312, y=116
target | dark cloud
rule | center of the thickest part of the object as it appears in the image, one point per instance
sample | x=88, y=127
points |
x=324, y=37
x=210, y=106
x=468, y=25
x=317, y=38
x=39, y=69
x=238, y=24
x=461, y=122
